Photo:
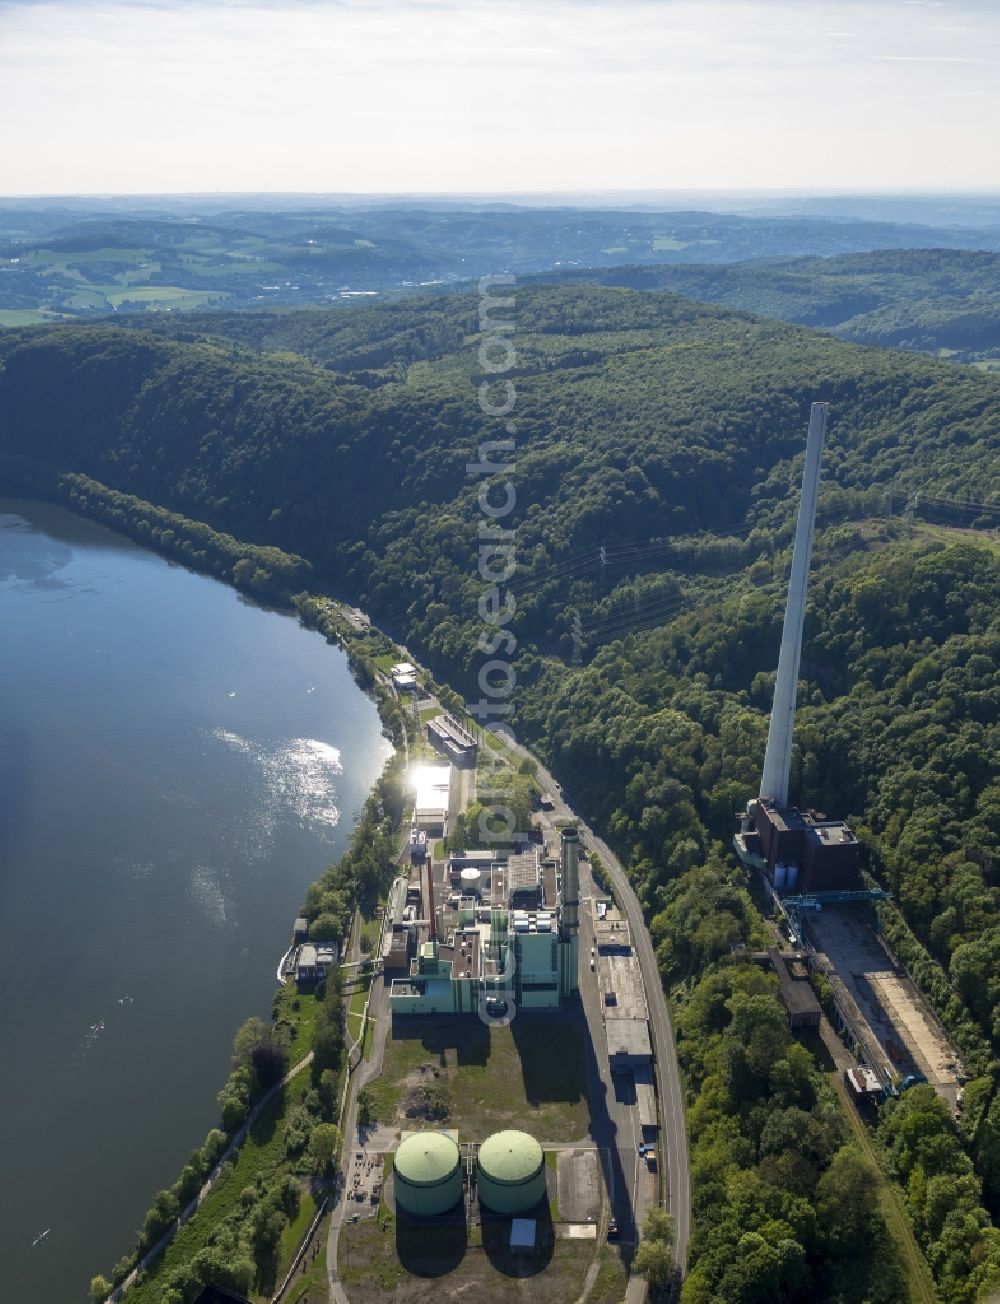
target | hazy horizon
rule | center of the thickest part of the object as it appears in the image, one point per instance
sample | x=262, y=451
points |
x=492, y=97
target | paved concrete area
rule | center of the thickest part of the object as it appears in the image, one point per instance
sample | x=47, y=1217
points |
x=579, y=1185
x=903, y=1030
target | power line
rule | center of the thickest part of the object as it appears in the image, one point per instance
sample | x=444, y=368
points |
x=603, y=632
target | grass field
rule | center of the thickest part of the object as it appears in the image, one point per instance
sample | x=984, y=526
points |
x=530, y=1075
x=25, y=316
x=299, y=1009
x=311, y=1286
x=612, y=1279
x=355, y=1012
x=947, y=534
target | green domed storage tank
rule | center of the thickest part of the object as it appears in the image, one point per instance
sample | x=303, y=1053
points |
x=511, y=1172
x=427, y=1173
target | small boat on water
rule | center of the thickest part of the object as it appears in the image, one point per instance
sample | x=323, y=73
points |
x=40, y=1237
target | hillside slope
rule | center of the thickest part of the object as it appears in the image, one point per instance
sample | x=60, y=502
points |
x=672, y=433
x=930, y=300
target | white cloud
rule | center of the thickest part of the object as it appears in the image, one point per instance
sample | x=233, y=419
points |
x=933, y=58
x=438, y=95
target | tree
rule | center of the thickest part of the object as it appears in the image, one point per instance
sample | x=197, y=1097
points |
x=328, y=1093
x=846, y=1199
x=269, y=1062
x=655, y=1259
x=654, y=1256
x=323, y=1146
x=252, y=1032
x=658, y=1226
x=100, y=1289
x=366, y=1107
x=159, y=1217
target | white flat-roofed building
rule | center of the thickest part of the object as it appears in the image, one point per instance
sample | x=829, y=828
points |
x=404, y=677
x=313, y=961
x=432, y=784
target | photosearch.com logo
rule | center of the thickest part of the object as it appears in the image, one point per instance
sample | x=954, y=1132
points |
x=496, y=498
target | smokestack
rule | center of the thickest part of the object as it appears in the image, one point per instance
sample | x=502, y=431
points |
x=570, y=855
x=430, y=897
x=569, y=922
x=778, y=757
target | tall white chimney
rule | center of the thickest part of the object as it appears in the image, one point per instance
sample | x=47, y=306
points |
x=778, y=757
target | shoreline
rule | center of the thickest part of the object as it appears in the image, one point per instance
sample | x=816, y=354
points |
x=364, y=672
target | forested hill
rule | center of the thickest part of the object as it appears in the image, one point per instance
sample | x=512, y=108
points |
x=938, y=301
x=929, y=300
x=672, y=433
x=638, y=415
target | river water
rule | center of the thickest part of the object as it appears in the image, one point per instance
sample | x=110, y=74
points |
x=176, y=766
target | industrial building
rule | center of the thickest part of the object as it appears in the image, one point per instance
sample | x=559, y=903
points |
x=427, y=1173
x=313, y=961
x=510, y=1173
x=452, y=738
x=628, y=1044
x=800, y=851
x=795, y=992
x=863, y=1085
x=645, y=1099
x=508, y=934
x=432, y=795
x=622, y=992
x=397, y=950
x=404, y=677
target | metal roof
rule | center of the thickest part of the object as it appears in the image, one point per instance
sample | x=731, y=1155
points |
x=522, y=1233
x=510, y=1157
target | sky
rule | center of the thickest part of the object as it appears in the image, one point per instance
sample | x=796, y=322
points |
x=432, y=96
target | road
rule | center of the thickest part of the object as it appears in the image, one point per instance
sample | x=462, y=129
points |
x=614, y=1122
x=366, y=1071
x=668, y=1079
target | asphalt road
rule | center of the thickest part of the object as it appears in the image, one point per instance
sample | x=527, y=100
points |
x=614, y=1123
x=677, y=1183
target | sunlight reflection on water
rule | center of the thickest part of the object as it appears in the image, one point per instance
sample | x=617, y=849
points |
x=297, y=777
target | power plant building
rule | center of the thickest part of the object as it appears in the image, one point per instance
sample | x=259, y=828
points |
x=509, y=934
x=452, y=738
x=510, y=1173
x=801, y=851
x=432, y=797
x=427, y=1174
x=798, y=851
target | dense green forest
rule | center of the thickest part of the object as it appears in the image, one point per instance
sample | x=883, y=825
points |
x=787, y=1206
x=940, y=301
x=671, y=433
